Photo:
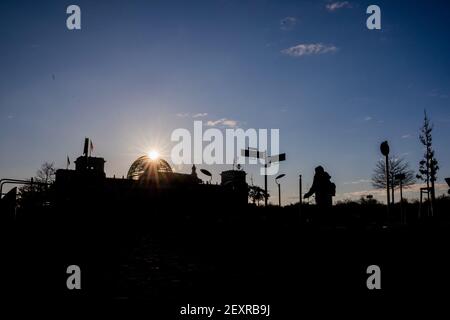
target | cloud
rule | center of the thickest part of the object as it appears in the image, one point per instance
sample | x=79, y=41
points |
x=368, y=118
x=404, y=154
x=288, y=23
x=230, y=123
x=406, y=136
x=358, y=181
x=222, y=122
x=199, y=115
x=436, y=93
x=333, y=6
x=187, y=115
x=305, y=49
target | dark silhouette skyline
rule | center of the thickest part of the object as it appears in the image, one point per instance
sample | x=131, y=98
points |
x=138, y=71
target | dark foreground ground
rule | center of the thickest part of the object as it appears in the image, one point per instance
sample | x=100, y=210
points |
x=253, y=256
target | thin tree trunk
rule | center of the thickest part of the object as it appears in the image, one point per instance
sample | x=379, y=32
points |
x=433, y=197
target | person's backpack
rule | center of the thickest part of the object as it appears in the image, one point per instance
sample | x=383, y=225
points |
x=329, y=186
x=332, y=189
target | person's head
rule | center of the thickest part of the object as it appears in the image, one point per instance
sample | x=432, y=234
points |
x=319, y=170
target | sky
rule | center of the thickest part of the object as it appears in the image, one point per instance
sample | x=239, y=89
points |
x=137, y=70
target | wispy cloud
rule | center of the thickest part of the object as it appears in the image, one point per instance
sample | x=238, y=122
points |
x=404, y=154
x=357, y=181
x=188, y=115
x=224, y=122
x=199, y=115
x=406, y=136
x=305, y=49
x=333, y=6
x=288, y=23
x=436, y=93
x=369, y=118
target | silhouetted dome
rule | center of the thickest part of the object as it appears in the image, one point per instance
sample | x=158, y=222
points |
x=144, y=165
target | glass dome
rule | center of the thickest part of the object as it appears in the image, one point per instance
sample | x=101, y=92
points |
x=144, y=166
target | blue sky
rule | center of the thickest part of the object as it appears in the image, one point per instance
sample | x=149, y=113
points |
x=137, y=70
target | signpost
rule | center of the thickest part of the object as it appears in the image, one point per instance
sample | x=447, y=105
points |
x=279, y=187
x=255, y=153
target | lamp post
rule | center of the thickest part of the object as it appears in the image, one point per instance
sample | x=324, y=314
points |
x=384, y=148
x=300, y=195
x=400, y=177
x=265, y=184
x=279, y=188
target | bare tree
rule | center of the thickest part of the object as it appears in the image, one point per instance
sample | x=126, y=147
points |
x=36, y=193
x=397, y=166
x=428, y=166
x=46, y=174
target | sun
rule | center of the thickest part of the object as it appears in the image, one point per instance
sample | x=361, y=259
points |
x=153, y=154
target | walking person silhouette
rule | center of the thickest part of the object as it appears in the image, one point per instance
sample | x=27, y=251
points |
x=323, y=189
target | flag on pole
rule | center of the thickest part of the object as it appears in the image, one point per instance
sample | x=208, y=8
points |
x=85, y=149
x=68, y=162
x=91, y=147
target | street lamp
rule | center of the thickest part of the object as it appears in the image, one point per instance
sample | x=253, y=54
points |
x=384, y=148
x=279, y=187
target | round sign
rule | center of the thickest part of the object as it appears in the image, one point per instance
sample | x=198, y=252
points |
x=384, y=148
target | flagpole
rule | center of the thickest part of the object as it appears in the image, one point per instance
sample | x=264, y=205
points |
x=91, y=147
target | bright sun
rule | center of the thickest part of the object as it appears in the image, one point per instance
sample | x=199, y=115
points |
x=153, y=155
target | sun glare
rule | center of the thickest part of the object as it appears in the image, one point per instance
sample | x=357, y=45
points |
x=153, y=155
